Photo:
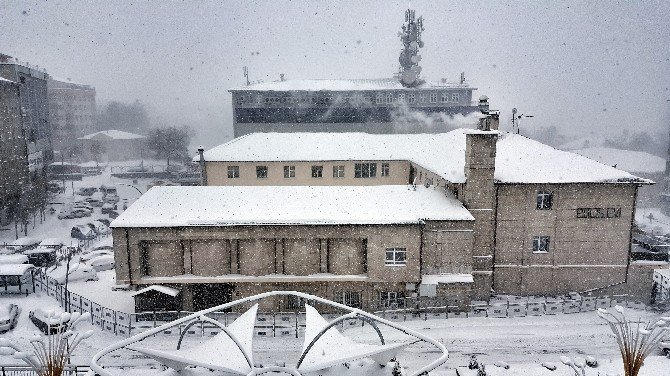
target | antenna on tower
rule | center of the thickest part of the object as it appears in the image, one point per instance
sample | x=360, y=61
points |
x=246, y=74
x=410, y=36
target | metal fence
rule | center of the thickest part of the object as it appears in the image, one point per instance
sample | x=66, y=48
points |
x=27, y=371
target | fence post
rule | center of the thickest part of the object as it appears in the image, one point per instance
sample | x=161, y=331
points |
x=296, y=324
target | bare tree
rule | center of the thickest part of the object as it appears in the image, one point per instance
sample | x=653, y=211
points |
x=169, y=143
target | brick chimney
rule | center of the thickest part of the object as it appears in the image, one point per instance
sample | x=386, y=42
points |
x=203, y=169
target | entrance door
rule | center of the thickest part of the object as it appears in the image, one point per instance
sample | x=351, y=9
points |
x=210, y=295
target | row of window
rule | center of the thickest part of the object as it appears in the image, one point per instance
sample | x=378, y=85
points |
x=379, y=98
x=361, y=171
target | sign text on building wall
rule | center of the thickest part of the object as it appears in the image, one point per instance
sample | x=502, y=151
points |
x=598, y=212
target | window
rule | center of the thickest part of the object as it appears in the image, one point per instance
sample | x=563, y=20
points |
x=349, y=298
x=455, y=97
x=295, y=302
x=540, y=244
x=401, y=98
x=385, y=169
x=422, y=97
x=445, y=97
x=261, y=172
x=317, y=171
x=544, y=200
x=365, y=170
x=389, y=98
x=433, y=98
x=391, y=299
x=380, y=99
x=396, y=257
x=338, y=171
x=289, y=172
x=233, y=172
x=411, y=98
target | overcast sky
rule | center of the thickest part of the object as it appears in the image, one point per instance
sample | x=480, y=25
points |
x=580, y=66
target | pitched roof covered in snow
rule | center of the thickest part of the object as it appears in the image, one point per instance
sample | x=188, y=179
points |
x=111, y=134
x=519, y=159
x=14, y=269
x=343, y=85
x=628, y=160
x=165, y=206
x=158, y=288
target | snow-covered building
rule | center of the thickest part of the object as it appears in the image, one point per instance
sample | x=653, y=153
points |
x=367, y=219
x=72, y=112
x=112, y=145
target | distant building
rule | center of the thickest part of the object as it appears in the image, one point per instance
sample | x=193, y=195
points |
x=72, y=111
x=112, y=145
x=370, y=219
x=25, y=113
x=403, y=104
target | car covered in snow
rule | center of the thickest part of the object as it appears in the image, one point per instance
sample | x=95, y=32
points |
x=104, y=220
x=50, y=321
x=107, y=207
x=112, y=198
x=45, y=253
x=13, y=259
x=82, y=232
x=101, y=263
x=78, y=272
x=86, y=191
x=86, y=257
x=96, y=199
x=19, y=245
x=9, y=316
x=99, y=227
x=665, y=347
x=113, y=214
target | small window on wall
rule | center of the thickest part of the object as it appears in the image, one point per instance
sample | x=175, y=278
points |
x=433, y=98
x=289, y=172
x=317, y=171
x=295, y=302
x=411, y=98
x=233, y=172
x=365, y=170
x=544, y=200
x=396, y=257
x=349, y=298
x=385, y=169
x=261, y=172
x=338, y=171
x=540, y=244
x=391, y=299
x=380, y=99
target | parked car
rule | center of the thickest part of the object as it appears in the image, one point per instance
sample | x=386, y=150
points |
x=81, y=212
x=87, y=191
x=55, y=187
x=113, y=214
x=78, y=272
x=82, y=232
x=9, y=316
x=101, y=263
x=107, y=207
x=96, y=199
x=99, y=227
x=112, y=198
x=49, y=321
x=13, y=259
x=82, y=204
x=665, y=347
x=108, y=190
x=66, y=213
x=86, y=257
x=105, y=221
x=107, y=248
x=19, y=245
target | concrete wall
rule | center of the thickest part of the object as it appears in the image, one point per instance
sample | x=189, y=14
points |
x=584, y=253
x=217, y=173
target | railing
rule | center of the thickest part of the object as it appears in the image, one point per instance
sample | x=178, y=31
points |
x=27, y=371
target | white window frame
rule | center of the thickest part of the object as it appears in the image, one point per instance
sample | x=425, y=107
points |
x=352, y=299
x=289, y=172
x=317, y=171
x=401, y=98
x=541, y=244
x=455, y=97
x=233, y=172
x=396, y=256
x=259, y=169
x=380, y=98
x=385, y=169
x=444, y=98
x=365, y=170
x=544, y=200
x=389, y=98
x=433, y=98
x=338, y=171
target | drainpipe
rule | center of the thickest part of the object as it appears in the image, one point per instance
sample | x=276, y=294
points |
x=203, y=171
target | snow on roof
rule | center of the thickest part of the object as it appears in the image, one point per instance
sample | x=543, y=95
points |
x=628, y=160
x=519, y=159
x=162, y=289
x=51, y=242
x=6, y=80
x=25, y=241
x=113, y=134
x=342, y=85
x=14, y=269
x=434, y=279
x=16, y=258
x=663, y=272
x=166, y=206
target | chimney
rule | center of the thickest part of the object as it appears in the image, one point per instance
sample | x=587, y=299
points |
x=281, y=77
x=490, y=120
x=203, y=170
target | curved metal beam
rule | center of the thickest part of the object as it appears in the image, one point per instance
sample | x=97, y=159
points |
x=183, y=333
x=140, y=336
x=230, y=335
x=260, y=371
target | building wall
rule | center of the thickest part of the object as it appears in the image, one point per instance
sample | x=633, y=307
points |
x=348, y=255
x=584, y=253
x=72, y=111
x=217, y=173
x=113, y=149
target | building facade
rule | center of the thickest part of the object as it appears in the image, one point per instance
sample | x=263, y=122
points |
x=72, y=112
x=112, y=145
x=28, y=138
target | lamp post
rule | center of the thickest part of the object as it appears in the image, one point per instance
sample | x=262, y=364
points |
x=132, y=186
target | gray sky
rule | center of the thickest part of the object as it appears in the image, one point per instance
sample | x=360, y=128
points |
x=580, y=66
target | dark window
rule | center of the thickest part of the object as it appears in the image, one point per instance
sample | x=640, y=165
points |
x=289, y=172
x=295, y=302
x=233, y=172
x=261, y=172
x=544, y=200
x=391, y=299
x=365, y=170
x=385, y=169
x=541, y=244
x=396, y=257
x=349, y=298
x=317, y=171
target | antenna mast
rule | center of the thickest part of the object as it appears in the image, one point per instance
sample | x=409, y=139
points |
x=410, y=36
x=246, y=74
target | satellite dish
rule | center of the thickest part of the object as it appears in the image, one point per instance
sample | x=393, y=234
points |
x=414, y=45
x=514, y=110
x=415, y=59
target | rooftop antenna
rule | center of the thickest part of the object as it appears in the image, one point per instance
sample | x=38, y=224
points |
x=246, y=74
x=516, y=120
x=410, y=36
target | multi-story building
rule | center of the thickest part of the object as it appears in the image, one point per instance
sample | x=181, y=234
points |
x=26, y=113
x=112, y=145
x=451, y=216
x=72, y=113
x=403, y=104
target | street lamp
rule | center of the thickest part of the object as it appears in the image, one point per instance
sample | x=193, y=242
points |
x=132, y=186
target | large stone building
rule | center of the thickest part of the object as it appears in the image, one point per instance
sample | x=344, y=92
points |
x=26, y=136
x=72, y=112
x=112, y=145
x=523, y=218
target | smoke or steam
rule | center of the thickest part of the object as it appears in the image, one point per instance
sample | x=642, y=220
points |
x=408, y=120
